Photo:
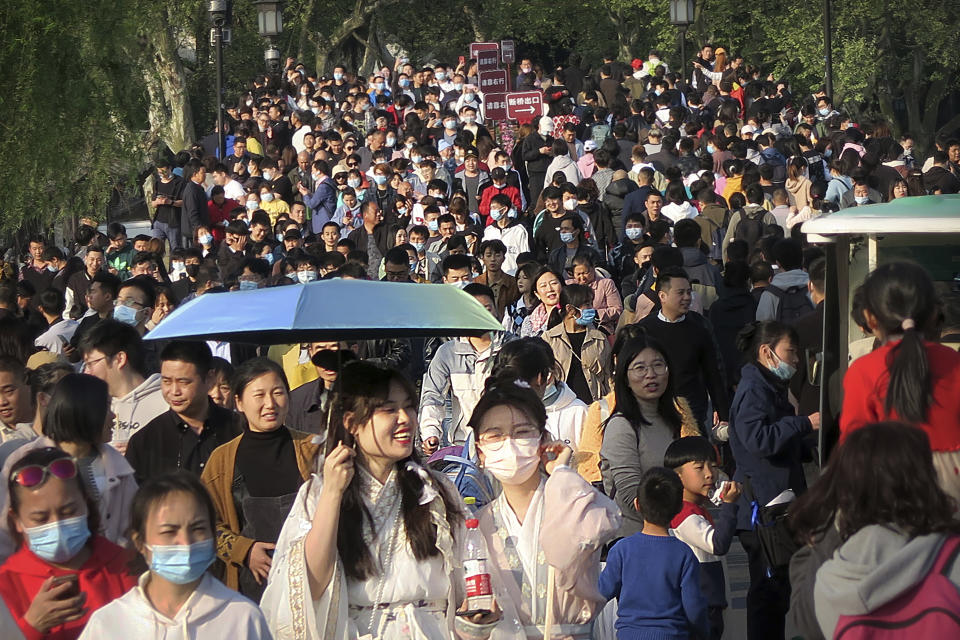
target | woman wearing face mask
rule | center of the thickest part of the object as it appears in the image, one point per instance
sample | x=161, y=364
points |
x=173, y=529
x=547, y=285
x=371, y=545
x=205, y=241
x=63, y=571
x=254, y=478
x=273, y=205
x=531, y=567
x=166, y=301
x=767, y=439
x=581, y=349
x=645, y=418
x=532, y=360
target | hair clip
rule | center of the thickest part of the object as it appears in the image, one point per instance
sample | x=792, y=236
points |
x=908, y=324
x=523, y=384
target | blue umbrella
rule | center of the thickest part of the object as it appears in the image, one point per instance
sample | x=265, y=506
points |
x=336, y=309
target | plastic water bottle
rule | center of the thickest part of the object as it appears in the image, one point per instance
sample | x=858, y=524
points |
x=479, y=589
x=471, y=503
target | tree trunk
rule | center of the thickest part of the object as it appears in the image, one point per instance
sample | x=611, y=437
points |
x=363, y=10
x=303, y=40
x=169, y=113
x=479, y=35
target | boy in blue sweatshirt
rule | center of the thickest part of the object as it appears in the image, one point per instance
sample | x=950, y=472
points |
x=655, y=576
x=694, y=460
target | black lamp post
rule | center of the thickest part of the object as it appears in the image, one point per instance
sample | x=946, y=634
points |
x=219, y=11
x=681, y=16
x=270, y=25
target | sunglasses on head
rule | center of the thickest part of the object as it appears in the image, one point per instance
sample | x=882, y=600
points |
x=35, y=474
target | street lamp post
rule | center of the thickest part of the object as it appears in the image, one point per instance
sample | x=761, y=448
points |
x=219, y=14
x=828, y=48
x=681, y=16
x=270, y=25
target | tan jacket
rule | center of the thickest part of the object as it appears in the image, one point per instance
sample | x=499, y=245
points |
x=594, y=356
x=233, y=548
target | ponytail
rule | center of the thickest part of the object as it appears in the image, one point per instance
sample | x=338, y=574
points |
x=902, y=299
x=909, y=391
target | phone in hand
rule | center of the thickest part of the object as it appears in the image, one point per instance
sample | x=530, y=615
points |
x=462, y=59
x=70, y=592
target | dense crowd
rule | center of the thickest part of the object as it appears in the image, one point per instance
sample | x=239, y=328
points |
x=654, y=394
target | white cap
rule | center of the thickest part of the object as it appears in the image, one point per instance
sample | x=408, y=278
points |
x=748, y=128
x=546, y=123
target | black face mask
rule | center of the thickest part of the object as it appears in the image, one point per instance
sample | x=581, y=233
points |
x=192, y=270
x=328, y=358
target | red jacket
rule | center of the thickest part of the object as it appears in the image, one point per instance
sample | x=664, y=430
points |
x=219, y=215
x=487, y=195
x=104, y=577
x=865, y=392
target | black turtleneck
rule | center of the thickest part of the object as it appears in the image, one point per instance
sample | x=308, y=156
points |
x=268, y=463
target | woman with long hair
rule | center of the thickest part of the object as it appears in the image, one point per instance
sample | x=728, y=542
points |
x=547, y=286
x=539, y=578
x=646, y=417
x=371, y=546
x=908, y=378
x=873, y=527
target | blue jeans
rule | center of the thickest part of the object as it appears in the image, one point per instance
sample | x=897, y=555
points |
x=162, y=230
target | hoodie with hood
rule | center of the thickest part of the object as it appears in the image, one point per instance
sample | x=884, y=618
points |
x=769, y=303
x=873, y=567
x=566, y=165
x=678, y=212
x=212, y=612
x=134, y=410
x=565, y=416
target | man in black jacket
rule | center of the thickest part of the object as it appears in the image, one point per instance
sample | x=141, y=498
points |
x=186, y=435
x=536, y=153
x=372, y=237
x=194, y=212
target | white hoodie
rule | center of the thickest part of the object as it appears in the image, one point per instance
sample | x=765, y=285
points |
x=212, y=612
x=565, y=417
x=134, y=410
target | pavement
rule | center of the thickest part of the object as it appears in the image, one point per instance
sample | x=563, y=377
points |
x=738, y=581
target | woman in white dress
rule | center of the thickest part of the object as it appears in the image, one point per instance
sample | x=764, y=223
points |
x=544, y=532
x=369, y=550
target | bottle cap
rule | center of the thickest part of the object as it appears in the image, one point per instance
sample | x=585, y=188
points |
x=470, y=500
x=472, y=523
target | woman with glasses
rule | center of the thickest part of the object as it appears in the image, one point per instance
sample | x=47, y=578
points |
x=646, y=417
x=541, y=496
x=371, y=546
x=63, y=570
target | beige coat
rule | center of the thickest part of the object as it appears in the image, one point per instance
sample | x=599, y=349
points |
x=595, y=357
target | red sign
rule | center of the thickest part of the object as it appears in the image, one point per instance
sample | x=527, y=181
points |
x=495, y=81
x=477, y=47
x=507, y=52
x=524, y=106
x=495, y=106
x=488, y=60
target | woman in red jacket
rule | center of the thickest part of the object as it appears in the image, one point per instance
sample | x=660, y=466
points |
x=62, y=571
x=907, y=378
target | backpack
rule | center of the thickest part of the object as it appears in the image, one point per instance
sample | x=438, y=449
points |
x=463, y=469
x=751, y=227
x=717, y=234
x=931, y=609
x=794, y=303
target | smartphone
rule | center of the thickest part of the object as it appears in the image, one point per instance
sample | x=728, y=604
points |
x=72, y=591
x=462, y=59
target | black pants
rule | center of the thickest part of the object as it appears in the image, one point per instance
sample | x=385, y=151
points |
x=768, y=597
x=715, y=615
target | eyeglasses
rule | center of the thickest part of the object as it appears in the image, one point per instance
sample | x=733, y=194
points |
x=90, y=363
x=351, y=164
x=640, y=370
x=35, y=474
x=493, y=440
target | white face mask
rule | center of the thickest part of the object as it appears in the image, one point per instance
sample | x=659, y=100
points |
x=514, y=462
x=570, y=204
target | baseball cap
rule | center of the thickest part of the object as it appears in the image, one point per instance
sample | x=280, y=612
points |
x=590, y=145
x=748, y=128
x=636, y=63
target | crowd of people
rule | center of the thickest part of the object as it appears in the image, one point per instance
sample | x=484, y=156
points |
x=654, y=394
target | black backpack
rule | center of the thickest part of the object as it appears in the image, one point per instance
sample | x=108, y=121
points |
x=751, y=228
x=794, y=303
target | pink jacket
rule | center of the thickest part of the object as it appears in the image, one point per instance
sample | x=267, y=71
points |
x=607, y=302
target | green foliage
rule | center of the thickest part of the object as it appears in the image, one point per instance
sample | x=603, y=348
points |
x=65, y=83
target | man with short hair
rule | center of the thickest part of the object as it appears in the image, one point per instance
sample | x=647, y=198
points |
x=167, y=202
x=322, y=200
x=77, y=285
x=396, y=266
x=135, y=300
x=308, y=403
x=788, y=288
x=114, y=352
x=371, y=237
x=492, y=254
x=687, y=337
x=184, y=436
x=194, y=212
x=101, y=298
x=35, y=270
x=16, y=410
x=51, y=304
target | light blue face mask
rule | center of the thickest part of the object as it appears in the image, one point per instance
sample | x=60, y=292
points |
x=711, y=149
x=460, y=284
x=587, y=317
x=279, y=237
x=306, y=276
x=418, y=246
x=416, y=159
x=566, y=237
x=783, y=370
x=862, y=199
x=247, y=285
x=58, y=541
x=496, y=214
x=379, y=179
x=550, y=394
x=634, y=233
x=125, y=314
x=512, y=213
x=252, y=205
x=205, y=239
x=269, y=258
x=433, y=225
x=182, y=564
x=266, y=197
